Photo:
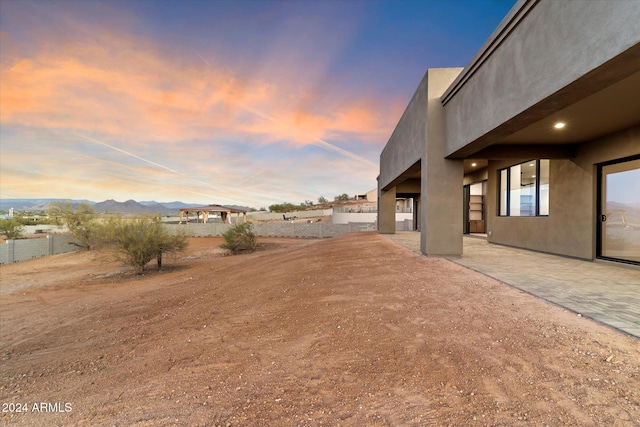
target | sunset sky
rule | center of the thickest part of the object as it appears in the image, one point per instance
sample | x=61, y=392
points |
x=230, y=102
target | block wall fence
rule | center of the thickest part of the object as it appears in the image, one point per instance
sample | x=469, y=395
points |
x=26, y=249
x=277, y=229
x=288, y=229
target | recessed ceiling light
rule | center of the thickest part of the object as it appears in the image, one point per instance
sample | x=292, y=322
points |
x=533, y=176
x=559, y=125
x=530, y=164
x=474, y=164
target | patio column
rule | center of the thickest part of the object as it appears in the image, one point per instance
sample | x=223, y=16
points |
x=387, y=211
x=441, y=178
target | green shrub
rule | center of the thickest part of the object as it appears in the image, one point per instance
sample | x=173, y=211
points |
x=240, y=238
x=81, y=221
x=11, y=228
x=139, y=240
x=286, y=207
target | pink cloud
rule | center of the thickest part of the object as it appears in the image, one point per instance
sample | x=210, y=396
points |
x=120, y=85
x=182, y=109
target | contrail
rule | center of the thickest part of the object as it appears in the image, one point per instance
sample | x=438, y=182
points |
x=127, y=153
x=205, y=61
x=173, y=171
x=317, y=141
x=327, y=146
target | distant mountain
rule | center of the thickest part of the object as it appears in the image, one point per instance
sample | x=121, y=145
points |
x=110, y=206
x=622, y=206
x=133, y=207
x=154, y=206
x=179, y=205
x=172, y=205
x=35, y=204
x=245, y=208
x=631, y=211
x=128, y=207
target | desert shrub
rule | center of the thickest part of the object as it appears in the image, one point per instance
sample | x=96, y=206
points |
x=35, y=221
x=81, y=222
x=11, y=228
x=286, y=207
x=140, y=240
x=239, y=238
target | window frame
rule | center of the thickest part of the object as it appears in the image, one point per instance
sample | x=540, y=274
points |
x=507, y=194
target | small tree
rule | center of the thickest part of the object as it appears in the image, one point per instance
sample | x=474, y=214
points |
x=341, y=197
x=170, y=243
x=322, y=200
x=139, y=240
x=11, y=228
x=81, y=222
x=239, y=238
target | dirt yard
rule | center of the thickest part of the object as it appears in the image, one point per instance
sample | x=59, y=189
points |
x=350, y=331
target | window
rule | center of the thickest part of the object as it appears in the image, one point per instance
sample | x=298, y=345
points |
x=524, y=189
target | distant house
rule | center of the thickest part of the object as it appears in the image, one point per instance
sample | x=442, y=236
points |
x=536, y=142
x=367, y=210
x=370, y=196
x=202, y=213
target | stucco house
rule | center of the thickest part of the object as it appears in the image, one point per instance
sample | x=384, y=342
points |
x=535, y=143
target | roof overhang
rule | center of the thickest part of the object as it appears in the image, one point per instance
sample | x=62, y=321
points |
x=603, y=102
x=547, y=62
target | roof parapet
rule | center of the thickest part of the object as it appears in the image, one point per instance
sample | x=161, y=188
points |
x=508, y=24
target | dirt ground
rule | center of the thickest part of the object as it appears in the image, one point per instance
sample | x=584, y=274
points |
x=349, y=331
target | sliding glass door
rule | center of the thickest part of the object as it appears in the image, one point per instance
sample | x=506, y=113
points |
x=619, y=211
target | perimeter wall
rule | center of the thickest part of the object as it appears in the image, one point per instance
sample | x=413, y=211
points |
x=279, y=229
x=24, y=249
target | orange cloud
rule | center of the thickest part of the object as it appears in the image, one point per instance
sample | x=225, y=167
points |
x=373, y=122
x=92, y=94
x=129, y=89
x=188, y=112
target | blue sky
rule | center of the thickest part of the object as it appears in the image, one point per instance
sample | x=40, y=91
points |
x=230, y=102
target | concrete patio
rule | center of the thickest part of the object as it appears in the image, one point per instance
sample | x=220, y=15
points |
x=603, y=291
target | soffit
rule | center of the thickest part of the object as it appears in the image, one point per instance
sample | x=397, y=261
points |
x=603, y=101
x=474, y=165
x=614, y=108
x=413, y=172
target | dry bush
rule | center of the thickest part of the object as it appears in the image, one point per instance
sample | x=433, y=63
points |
x=239, y=238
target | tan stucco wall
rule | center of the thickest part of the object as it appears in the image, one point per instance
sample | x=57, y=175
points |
x=419, y=139
x=387, y=211
x=406, y=144
x=530, y=58
x=372, y=196
x=441, y=196
x=477, y=176
x=570, y=228
x=411, y=186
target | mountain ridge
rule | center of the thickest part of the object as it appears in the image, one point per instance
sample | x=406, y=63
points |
x=112, y=206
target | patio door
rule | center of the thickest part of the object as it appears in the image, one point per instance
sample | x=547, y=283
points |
x=619, y=210
x=474, y=206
